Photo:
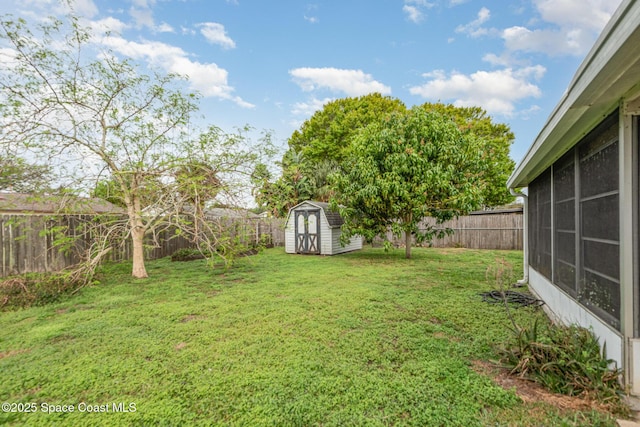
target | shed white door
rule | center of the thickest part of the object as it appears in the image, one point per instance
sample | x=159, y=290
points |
x=307, y=232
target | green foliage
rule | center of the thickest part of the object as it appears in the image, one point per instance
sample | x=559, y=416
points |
x=22, y=177
x=289, y=190
x=366, y=338
x=187, y=254
x=325, y=141
x=405, y=168
x=319, y=148
x=495, y=141
x=327, y=134
x=567, y=360
x=109, y=190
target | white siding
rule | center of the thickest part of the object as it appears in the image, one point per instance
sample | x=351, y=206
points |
x=290, y=235
x=354, y=244
x=329, y=237
x=325, y=236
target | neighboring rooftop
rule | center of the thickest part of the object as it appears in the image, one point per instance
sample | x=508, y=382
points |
x=231, y=213
x=39, y=204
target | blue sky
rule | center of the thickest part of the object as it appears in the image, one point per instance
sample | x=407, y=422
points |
x=271, y=64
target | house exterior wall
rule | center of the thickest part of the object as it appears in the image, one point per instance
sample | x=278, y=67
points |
x=575, y=227
x=583, y=244
x=602, y=276
x=563, y=308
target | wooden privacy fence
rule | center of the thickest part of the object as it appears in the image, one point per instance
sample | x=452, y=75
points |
x=497, y=229
x=31, y=243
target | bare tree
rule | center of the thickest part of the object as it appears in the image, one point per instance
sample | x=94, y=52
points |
x=94, y=116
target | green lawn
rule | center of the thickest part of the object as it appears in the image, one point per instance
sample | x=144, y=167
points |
x=366, y=338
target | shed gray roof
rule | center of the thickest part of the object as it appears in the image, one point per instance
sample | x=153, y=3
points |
x=333, y=218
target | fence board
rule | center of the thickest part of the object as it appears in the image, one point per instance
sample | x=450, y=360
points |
x=500, y=229
x=27, y=244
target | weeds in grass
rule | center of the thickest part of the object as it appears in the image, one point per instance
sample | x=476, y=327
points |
x=187, y=254
x=501, y=273
x=564, y=359
x=35, y=289
x=366, y=338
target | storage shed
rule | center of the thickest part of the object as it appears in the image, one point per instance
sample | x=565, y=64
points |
x=312, y=228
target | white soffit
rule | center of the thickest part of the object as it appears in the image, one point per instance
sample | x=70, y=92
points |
x=610, y=71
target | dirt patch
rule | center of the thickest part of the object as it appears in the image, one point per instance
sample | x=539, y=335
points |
x=531, y=392
x=191, y=317
x=180, y=346
x=10, y=353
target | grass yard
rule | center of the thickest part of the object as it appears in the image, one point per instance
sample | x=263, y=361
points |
x=366, y=338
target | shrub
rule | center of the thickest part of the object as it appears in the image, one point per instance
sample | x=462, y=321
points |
x=188, y=254
x=37, y=288
x=566, y=360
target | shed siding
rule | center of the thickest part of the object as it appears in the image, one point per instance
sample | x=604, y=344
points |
x=290, y=236
x=354, y=244
x=325, y=233
x=329, y=236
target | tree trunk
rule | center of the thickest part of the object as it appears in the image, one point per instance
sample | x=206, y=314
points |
x=137, y=235
x=407, y=245
x=407, y=235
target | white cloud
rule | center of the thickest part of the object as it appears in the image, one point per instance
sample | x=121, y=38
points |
x=165, y=28
x=351, y=82
x=575, y=26
x=311, y=19
x=414, y=9
x=207, y=78
x=549, y=41
x=143, y=17
x=8, y=58
x=590, y=15
x=495, y=91
x=43, y=8
x=142, y=13
x=413, y=13
x=308, y=108
x=474, y=28
x=216, y=34
x=504, y=60
x=310, y=16
x=108, y=25
x=85, y=8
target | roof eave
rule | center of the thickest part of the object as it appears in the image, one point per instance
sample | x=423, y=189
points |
x=609, y=72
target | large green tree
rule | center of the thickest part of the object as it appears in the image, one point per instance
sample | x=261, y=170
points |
x=495, y=140
x=327, y=134
x=95, y=115
x=405, y=168
x=324, y=142
x=318, y=148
